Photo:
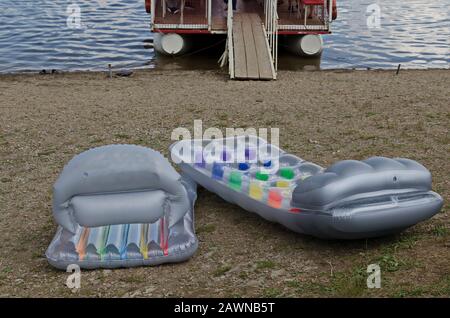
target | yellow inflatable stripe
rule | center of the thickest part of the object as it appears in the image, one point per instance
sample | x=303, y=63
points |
x=143, y=243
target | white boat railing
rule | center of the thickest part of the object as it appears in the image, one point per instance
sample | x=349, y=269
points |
x=271, y=29
x=228, y=54
x=230, y=38
x=152, y=14
x=329, y=12
x=209, y=14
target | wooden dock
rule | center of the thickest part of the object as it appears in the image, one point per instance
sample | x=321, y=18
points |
x=252, y=60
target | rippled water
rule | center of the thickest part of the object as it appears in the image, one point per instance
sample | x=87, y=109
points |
x=34, y=35
x=415, y=33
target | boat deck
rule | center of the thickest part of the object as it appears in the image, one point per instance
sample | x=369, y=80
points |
x=194, y=16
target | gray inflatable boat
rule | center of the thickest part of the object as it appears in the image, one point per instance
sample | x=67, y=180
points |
x=122, y=206
x=349, y=200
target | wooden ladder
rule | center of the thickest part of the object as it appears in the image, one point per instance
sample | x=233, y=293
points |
x=251, y=53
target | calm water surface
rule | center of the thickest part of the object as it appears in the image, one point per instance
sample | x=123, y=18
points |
x=34, y=35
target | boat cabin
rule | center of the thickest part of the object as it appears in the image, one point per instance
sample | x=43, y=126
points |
x=210, y=16
x=251, y=26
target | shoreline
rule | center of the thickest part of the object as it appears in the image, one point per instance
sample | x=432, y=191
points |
x=156, y=68
x=323, y=117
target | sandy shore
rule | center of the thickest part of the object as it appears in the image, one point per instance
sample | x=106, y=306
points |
x=323, y=117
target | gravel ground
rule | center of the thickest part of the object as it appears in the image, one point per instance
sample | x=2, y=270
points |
x=323, y=117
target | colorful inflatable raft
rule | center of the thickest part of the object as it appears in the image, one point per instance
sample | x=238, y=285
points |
x=349, y=200
x=122, y=206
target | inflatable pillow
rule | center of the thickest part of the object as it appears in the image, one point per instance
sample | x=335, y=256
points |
x=122, y=206
x=349, y=200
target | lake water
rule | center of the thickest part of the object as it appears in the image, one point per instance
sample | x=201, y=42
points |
x=34, y=35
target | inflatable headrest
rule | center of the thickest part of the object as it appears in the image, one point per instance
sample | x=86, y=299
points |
x=351, y=177
x=118, y=184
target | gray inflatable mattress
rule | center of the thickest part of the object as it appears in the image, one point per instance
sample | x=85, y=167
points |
x=122, y=206
x=349, y=200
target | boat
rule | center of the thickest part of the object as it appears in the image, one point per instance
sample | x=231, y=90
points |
x=251, y=30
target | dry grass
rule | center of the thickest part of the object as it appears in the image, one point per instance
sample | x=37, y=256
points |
x=322, y=116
